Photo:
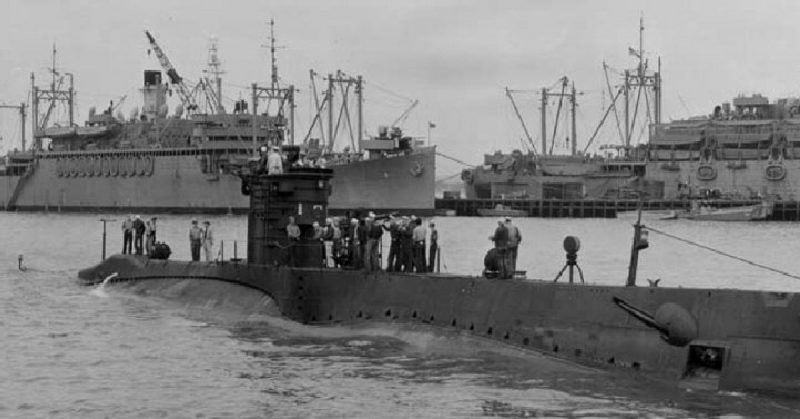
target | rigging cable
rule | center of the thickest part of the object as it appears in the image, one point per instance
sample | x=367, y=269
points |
x=720, y=252
x=455, y=159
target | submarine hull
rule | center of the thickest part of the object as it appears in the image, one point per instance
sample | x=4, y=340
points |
x=699, y=338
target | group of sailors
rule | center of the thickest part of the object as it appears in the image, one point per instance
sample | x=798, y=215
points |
x=501, y=261
x=273, y=161
x=356, y=243
x=201, y=238
x=138, y=236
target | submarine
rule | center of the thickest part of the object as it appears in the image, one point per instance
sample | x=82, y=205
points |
x=707, y=339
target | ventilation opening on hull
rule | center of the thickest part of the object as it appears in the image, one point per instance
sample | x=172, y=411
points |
x=704, y=365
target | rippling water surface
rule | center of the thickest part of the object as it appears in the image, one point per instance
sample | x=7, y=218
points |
x=71, y=351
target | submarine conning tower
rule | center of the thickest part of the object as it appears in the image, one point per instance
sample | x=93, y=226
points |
x=299, y=192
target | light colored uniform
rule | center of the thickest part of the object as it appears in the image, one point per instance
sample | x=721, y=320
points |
x=208, y=243
x=274, y=163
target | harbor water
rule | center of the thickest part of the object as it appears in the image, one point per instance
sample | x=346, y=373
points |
x=112, y=351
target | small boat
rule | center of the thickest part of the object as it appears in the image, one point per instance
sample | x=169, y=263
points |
x=653, y=214
x=501, y=210
x=440, y=212
x=741, y=213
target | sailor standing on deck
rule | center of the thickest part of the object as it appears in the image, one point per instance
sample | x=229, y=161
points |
x=500, y=239
x=151, y=235
x=147, y=247
x=514, y=239
x=208, y=241
x=139, y=230
x=394, y=249
x=418, y=235
x=407, y=243
x=293, y=233
x=274, y=162
x=434, y=247
x=355, y=243
x=195, y=240
x=127, y=236
x=372, y=261
x=327, y=242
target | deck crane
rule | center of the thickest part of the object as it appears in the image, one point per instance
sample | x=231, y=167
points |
x=176, y=80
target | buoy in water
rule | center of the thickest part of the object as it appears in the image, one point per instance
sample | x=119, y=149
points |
x=20, y=264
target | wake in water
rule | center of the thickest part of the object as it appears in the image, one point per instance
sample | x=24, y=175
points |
x=426, y=370
x=100, y=290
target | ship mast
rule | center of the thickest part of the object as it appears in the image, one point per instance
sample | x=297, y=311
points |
x=641, y=81
x=282, y=96
x=54, y=94
x=571, y=95
x=338, y=113
x=215, y=69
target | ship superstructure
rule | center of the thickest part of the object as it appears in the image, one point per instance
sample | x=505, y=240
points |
x=745, y=149
x=190, y=160
x=541, y=174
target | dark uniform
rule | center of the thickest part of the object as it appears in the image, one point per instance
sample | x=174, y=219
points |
x=195, y=240
x=394, y=249
x=434, y=248
x=138, y=228
x=406, y=243
x=500, y=239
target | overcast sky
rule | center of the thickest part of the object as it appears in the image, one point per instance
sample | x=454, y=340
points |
x=455, y=57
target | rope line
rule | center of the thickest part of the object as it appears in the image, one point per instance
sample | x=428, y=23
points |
x=721, y=253
x=455, y=159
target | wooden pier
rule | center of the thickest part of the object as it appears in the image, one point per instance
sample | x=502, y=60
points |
x=783, y=210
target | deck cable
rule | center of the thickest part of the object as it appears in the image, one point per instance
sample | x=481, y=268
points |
x=720, y=252
x=454, y=159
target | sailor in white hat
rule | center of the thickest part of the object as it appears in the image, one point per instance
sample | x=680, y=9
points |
x=274, y=162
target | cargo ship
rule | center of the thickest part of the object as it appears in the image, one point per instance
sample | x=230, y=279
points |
x=539, y=174
x=190, y=161
x=748, y=151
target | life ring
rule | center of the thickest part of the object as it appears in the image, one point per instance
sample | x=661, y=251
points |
x=775, y=171
x=706, y=172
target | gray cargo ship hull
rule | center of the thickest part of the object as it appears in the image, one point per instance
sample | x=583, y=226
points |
x=165, y=181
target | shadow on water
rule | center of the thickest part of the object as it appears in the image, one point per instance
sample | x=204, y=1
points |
x=438, y=371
